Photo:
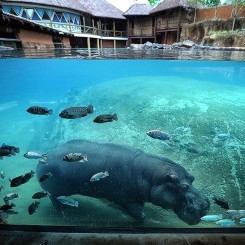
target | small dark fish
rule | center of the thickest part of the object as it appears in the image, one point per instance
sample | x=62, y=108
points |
x=221, y=202
x=6, y=153
x=76, y=112
x=6, y=207
x=75, y=157
x=16, y=181
x=21, y=179
x=158, y=134
x=9, y=197
x=41, y=194
x=45, y=177
x=10, y=148
x=27, y=176
x=106, y=118
x=33, y=207
x=37, y=110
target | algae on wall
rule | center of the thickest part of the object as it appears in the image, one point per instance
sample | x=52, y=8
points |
x=201, y=33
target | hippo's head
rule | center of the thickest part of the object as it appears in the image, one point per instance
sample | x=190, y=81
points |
x=175, y=191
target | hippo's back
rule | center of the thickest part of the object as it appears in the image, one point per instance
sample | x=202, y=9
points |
x=70, y=178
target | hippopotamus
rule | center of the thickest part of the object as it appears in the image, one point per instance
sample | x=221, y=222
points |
x=135, y=177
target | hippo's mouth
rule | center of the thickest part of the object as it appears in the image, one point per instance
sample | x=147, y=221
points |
x=192, y=210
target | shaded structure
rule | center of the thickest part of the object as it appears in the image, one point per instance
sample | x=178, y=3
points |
x=87, y=21
x=140, y=25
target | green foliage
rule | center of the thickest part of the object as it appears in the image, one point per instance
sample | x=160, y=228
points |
x=224, y=32
x=210, y=3
x=153, y=2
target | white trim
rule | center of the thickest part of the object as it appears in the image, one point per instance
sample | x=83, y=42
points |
x=114, y=38
x=100, y=37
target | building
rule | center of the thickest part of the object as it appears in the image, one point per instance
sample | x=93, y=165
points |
x=85, y=21
x=140, y=24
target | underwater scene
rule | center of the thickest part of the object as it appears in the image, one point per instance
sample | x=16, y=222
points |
x=122, y=143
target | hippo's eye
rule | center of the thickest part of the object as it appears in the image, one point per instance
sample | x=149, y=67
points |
x=184, y=187
x=191, y=178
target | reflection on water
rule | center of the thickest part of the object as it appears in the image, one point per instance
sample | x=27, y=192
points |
x=126, y=53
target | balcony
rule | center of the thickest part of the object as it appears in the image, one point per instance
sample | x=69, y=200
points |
x=170, y=24
x=143, y=31
x=72, y=28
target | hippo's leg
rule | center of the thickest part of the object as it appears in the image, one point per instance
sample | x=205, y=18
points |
x=134, y=209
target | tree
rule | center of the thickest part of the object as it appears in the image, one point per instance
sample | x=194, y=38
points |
x=210, y=3
x=153, y=2
x=237, y=6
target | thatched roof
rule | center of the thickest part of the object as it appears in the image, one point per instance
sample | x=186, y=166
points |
x=99, y=8
x=69, y=4
x=102, y=8
x=171, y=4
x=17, y=22
x=138, y=9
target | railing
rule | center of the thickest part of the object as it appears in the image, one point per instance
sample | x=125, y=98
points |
x=141, y=31
x=83, y=29
x=170, y=24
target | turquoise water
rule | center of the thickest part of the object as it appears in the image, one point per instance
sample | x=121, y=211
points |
x=205, y=98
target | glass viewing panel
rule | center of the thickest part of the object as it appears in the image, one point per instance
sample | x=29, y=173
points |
x=122, y=143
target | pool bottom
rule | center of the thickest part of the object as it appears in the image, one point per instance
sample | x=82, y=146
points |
x=77, y=235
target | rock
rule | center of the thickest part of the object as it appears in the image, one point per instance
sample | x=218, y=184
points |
x=147, y=45
x=136, y=46
x=187, y=44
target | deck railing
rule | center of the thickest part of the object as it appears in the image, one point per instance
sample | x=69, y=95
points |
x=141, y=31
x=83, y=29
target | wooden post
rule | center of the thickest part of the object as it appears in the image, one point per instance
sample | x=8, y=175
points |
x=114, y=44
x=84, y=23
x=114, y=28
x=98, y=45
x=93, y=26
x=89, y=47
x=155, y=29
x=179, y=24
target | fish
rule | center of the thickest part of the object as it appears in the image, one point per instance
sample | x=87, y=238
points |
x=212, y=217
x=42, y=161
x=35, y=155
x=235, y=214
x=9, y=197
x=41, y=194
x=224, y=136
x=38, y=110
x=205, y=138
x=45, y=177
x=106, y=118
x=10, y=148
x=19, y=180
x=76, y=112
x=2, y=175
x=158, y=134
x=221, y=202
x=33, y=207
x=68, y=201
x=6, y=207
x=242, y=221
x=44, y=242
x=226, y=223
x=27, y=176
x=6, y=153
x=1, y=188
x=75, y=157
x=99, y=176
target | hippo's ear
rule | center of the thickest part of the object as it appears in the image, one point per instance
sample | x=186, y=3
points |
x=171, y=178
